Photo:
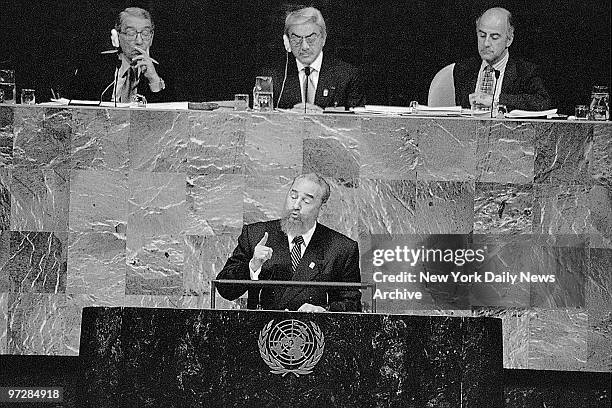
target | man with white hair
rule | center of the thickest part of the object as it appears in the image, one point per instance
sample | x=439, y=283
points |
x=313, y=79
x=512, y=82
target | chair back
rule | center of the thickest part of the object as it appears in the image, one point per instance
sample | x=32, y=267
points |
x=442, y=88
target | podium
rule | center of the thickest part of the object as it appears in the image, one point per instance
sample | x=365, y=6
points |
x=257, y=358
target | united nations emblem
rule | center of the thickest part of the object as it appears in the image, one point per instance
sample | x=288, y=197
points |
x=291, y=346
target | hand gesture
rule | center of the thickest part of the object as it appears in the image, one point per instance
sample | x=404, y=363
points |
x=261, y=254
x=145, y=63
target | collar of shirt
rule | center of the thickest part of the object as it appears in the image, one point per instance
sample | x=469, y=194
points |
x=306, y=236
x=499, y=66
x=122, y=75
x=314, y=73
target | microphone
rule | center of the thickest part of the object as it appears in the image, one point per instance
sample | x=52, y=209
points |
x=497, y=74
x=307, y=72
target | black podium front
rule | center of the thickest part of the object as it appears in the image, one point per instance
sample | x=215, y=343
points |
x=175, y=357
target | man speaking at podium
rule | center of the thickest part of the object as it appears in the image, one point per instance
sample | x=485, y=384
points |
x=297, y=248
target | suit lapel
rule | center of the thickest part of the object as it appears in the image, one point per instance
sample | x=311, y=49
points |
x=509, y=77
x=310, y=267
x=325, y=83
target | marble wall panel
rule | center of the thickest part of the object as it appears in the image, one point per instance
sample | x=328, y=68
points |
x=42, y=137
x=515, y=329
x=600, y=216
x=154, y=265
x=3, y=321
x=158, y=141
x=216, y=143
x=214, y=204
x=505, y=152
x=156, y=203
x=100, y=139
x=341, y=212
x=572, y=210
x=36, y=262
x=600, y=156
x=444, y=207
x=447, y=149
x=6, y=136
x=98, y=201
x=387, y=206
x=562, y=153
x=156, y=220
x=389, y=149
x=264, y=197
x=331, y=147
x=39, y=199
x=204, y=259
x=599, y=305
x=5, y=246
x=36, y=325
x=558, y=339
x=504, y=254
x=569, y=266
x=96, y=264
x=273, y=145
x=503, y=208
x=5, y=198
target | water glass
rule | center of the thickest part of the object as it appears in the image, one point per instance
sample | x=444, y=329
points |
x=263, y=94
x=581, y=112
x=8, y=90
x=28, y=97
x=600, y=103
x=241, y=102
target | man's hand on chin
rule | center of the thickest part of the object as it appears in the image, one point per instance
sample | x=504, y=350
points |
x=307, y=307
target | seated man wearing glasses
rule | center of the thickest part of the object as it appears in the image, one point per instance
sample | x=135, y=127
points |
x=137, y=73
x=130, y=70
x=313, y=80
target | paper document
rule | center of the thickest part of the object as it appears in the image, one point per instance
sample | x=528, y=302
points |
x=517, y=113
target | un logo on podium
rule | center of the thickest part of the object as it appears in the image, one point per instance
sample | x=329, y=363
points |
x=291, y=346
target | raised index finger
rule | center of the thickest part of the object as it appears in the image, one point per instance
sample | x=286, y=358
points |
x=264, y=239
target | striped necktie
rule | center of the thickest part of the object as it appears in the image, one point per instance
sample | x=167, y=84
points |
x=296, y=252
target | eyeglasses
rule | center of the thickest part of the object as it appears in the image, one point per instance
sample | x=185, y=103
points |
x=131, y=34
x=296, y=40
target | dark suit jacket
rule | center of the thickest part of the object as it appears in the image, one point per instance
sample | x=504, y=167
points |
x=333, y=256
x=522, y=87
x=342, y=81
x=94, y=76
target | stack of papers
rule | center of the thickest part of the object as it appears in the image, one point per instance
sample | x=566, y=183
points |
x=517, y=113
x=382, y=110
x=438, y=110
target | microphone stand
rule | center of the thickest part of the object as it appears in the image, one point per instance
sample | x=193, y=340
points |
x=307, y=72
x=497, y=73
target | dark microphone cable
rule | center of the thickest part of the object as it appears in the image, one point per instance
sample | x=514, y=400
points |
x=497, y=73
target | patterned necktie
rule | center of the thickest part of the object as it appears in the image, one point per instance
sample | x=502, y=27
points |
x=309, y=88
x=296, y=252
x=487, y=81
x=130, y=85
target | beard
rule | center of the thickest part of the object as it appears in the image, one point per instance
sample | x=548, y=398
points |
x=292, y=226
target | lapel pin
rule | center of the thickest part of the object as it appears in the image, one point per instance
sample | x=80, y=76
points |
x=312, y=265
x=325, y=92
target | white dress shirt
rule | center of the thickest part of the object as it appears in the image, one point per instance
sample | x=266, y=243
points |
x=315, y=68
x=499, y=66
x=307, y=236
